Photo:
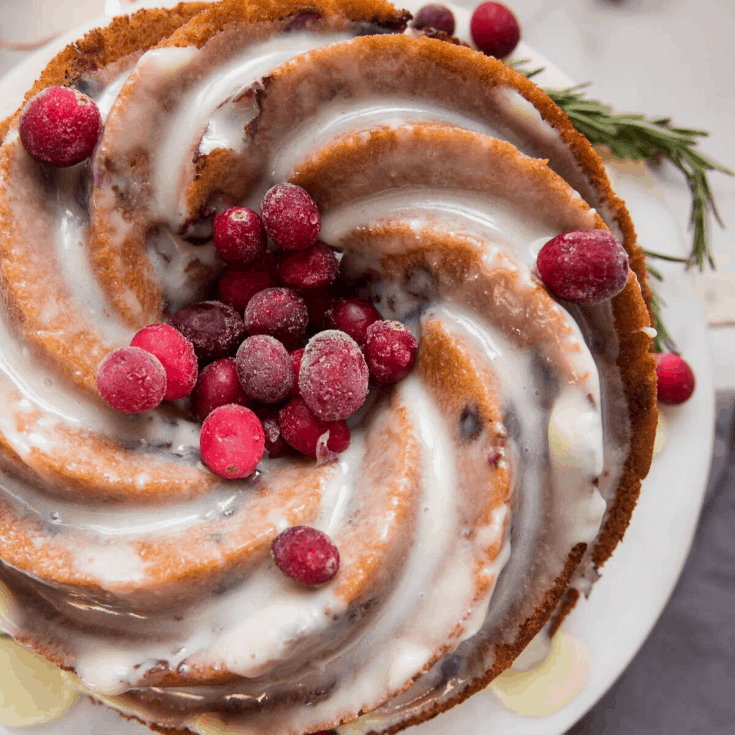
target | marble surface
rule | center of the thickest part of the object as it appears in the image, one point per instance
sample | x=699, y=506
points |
x=664, y=58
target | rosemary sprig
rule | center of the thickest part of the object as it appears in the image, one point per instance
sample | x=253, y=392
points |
x=634, y=137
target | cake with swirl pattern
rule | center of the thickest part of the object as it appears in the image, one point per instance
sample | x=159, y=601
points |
x=478, y=497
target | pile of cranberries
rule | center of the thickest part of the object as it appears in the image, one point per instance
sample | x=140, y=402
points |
x=264, y=386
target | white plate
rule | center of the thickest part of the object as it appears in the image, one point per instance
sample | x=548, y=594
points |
x=637, y=582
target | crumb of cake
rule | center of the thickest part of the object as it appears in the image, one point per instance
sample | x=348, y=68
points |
x=306, y=554
x=236, y=287
x=353, y=316
x=279, y=312
x=302, y=430
x=494, y=29
x=265, y=369
x=60, y=126
x=218, y=385
x=675, y=379
x=131, y=380
x=333, y=378
x=438, y=17
x=310, y=269
x=215, y=329
x=232, y=441
x=291, y=217
x=390, y=351
x=176, y=354
x=239, y=236
x=583, y=266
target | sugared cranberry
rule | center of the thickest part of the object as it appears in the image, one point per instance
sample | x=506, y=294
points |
x=291, y=217
x=131, y=380
x=275, y=444
x=333, y=378
x=237, y=287
x=309, y=269
x=265, y=369
x=390, y=351
x=494, y=29
x=583, y=266
x=280, y=312
x=60, y=126
x=215, y=329
x=217, y=386
x=675, y=379
x=438, y=17
x=302, y=430
x=306, y=555
x=232, y=441
x=176, y=354
x=353, y=316
x=239, y=236
x=296, y=357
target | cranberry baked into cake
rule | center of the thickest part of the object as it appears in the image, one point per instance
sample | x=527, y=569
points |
x=467, y=504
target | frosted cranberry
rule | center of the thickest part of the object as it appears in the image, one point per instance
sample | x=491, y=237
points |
x=494, y=29
x=175, y=353
x=215, y=329
x=302, y=430
x=217, y=386
x=296, y=357
x=291, y=217
x=131, y=380
x=675, y=379
x=438, y=17
x=275, y=444
x=583, y=266
x=306, y=555
x=232, y=441
x=353, y=316
x=280, y=312
x=237, y=287
x=390, y=351
x=60, y=126
x=239, y=236
x=265, y=369
x=333, y=378
x=309, y=269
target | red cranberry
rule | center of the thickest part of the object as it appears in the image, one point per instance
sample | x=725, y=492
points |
x=275, y=444
x=296, y=357
x=131, y=380
x=239, y=236
x=333, y=378
x=215, y=329
x=675, y=379
x=494, y=29
x=280, y=312
x=438, y=17
x=302, y=429
x=353, y=316
x=291, y=217
x=232, y=441
x=176, y=354
x=583, y=266
x=306, y=555
x=390, y=351
x=237, y=287
x=60, y=126
x=309, y=269
x=217, y=386
x=265, y=369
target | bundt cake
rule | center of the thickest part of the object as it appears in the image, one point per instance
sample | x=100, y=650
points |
x=477, y=498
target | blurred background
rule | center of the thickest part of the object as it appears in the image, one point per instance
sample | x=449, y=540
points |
x=664, y=58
